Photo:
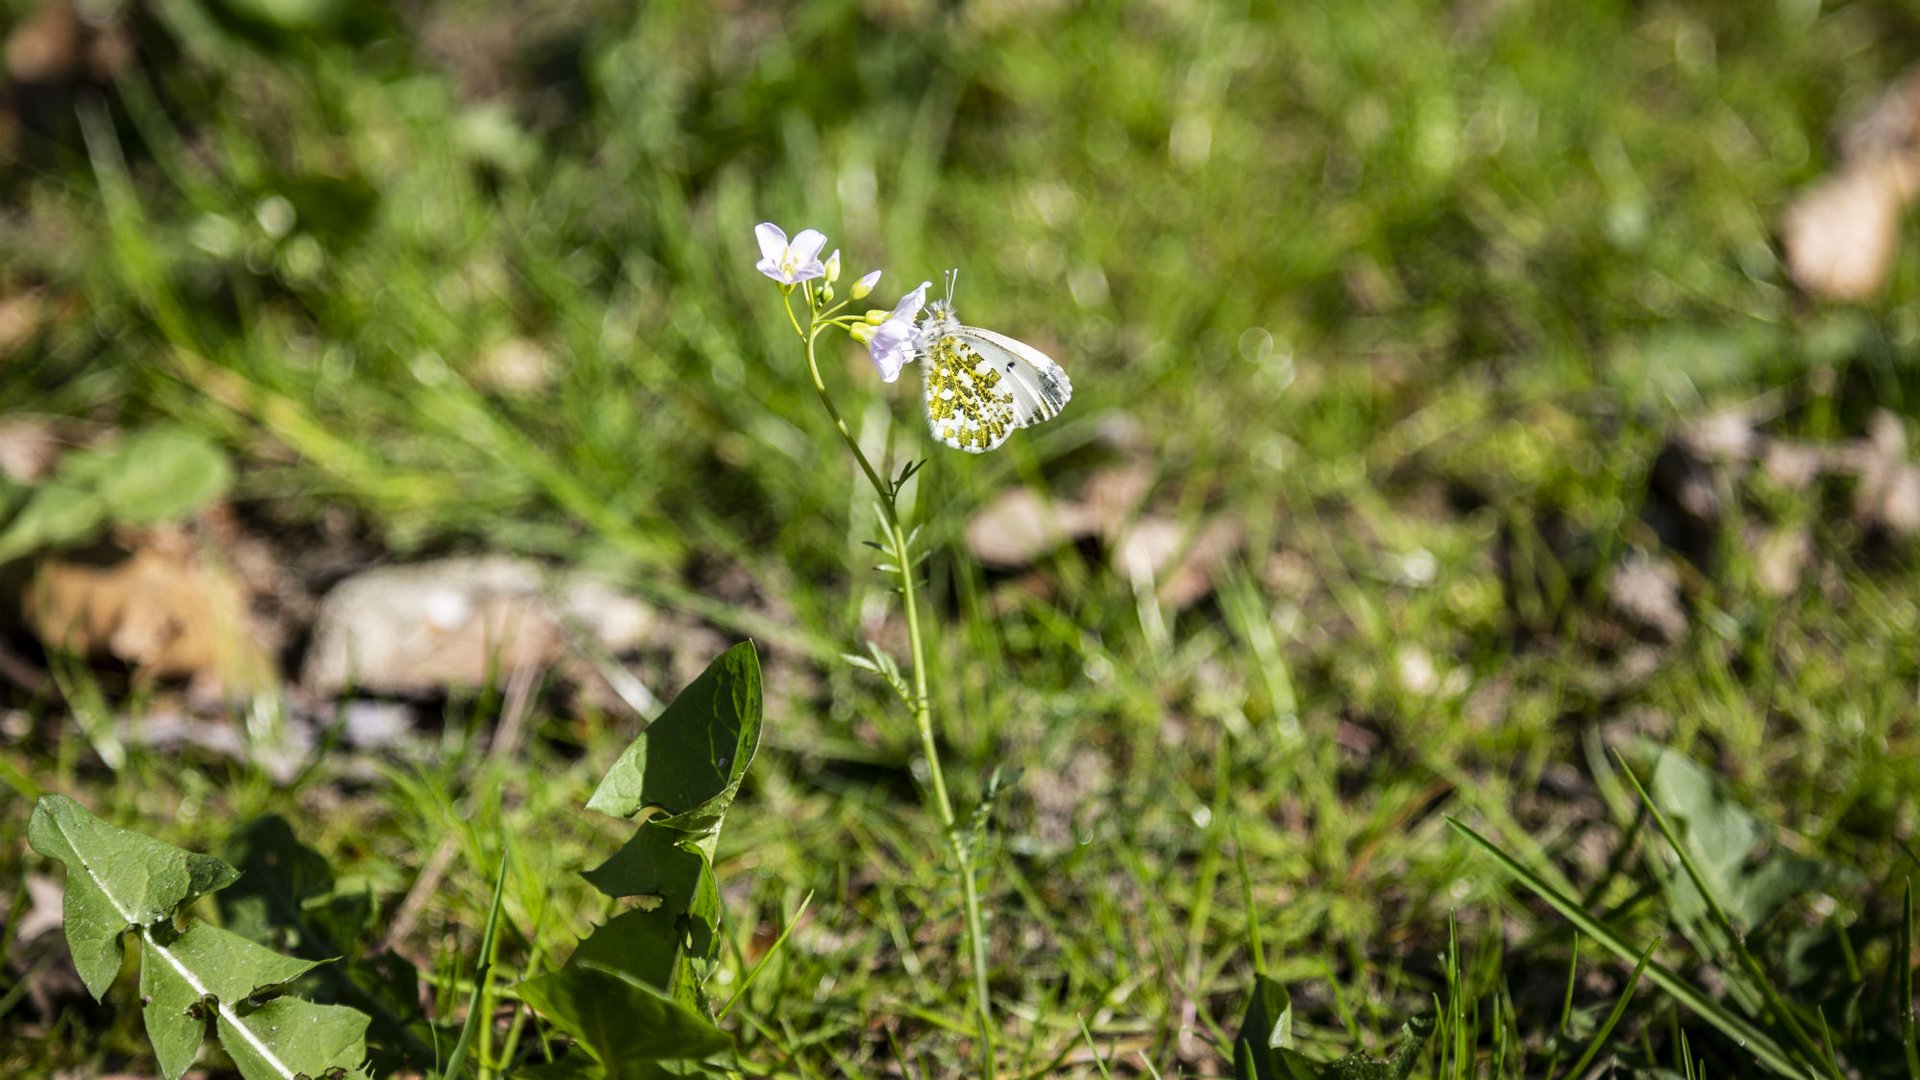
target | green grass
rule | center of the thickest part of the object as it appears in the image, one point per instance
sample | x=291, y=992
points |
x=1499, y=254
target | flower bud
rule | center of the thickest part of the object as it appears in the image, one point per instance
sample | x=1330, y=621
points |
x=862, y=333
x=833, y=266
x=865, y=285
x=877, y=316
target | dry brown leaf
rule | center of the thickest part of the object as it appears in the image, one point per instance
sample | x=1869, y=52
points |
x=1888, y=493
x=46, y=910
x=1794, y=465
x=1646, y=592
x=29, y=446
x=22, y=314
x=1178, y=563
x=162, y=609
x=457, y=622
x=1113, y=494
x=1020, y=526
x=1841, y=234
x=46, y=47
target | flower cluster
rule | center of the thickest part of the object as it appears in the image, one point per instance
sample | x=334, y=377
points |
x=791, y=263
x=891, y=337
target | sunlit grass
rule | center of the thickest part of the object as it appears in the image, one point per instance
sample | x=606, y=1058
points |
x=1415, y=295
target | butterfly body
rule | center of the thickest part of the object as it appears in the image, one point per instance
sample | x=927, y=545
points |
x=980, y=386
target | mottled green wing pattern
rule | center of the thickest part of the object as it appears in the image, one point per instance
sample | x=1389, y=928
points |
x=970, y=405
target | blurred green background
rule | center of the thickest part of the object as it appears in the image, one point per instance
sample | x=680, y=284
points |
x=1405, y=302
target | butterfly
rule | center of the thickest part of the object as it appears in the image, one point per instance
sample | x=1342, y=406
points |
x=980, y=385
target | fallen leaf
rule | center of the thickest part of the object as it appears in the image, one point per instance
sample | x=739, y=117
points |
x=161, y=608
x=1646, y=592
x=1794, y=465
x=1113, y=495
x=1179, y=564
x=1888, y=493
x=45, y=48
x=1841, y=234
x=22, y=314
x=46, y=910
x=1020, y=526
x=29, y=446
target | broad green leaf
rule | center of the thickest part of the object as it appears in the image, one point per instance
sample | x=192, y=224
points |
x=288, y=1033
x=279, y=877
x=119, y=881
x=116, y=881
x=687, y=764
x=163, y=473
x=1264, y=1048
x=676, y=868
x=287, y=899
x=55, y=515
x=1721, y=836
x=207, y=971
x=616, y=997
x=654, y=862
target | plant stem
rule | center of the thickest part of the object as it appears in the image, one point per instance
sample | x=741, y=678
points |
x=922, y=707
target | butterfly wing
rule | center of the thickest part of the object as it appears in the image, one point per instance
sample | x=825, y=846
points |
x=980, y=386
x=1040, y=387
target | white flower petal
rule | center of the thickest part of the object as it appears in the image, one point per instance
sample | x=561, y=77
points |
x=910, y=304
x=865, y=285
x=773, y=241
x=891, y=346
x=806, y=247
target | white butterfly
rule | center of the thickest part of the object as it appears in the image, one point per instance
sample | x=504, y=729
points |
x=980, y=385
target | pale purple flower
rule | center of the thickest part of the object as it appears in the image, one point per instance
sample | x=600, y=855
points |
x=896, y=339
x=789, y=263
x=865, y=285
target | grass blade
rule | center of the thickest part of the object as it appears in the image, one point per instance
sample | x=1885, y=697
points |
x=1613, y=1017
x=1098, y=1062
x=772, y=951
x=1728, y=1023
x=483, y=973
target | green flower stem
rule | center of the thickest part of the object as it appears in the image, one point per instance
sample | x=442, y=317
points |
x=922, y=702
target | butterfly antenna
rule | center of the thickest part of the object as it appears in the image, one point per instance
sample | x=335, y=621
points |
x=953, y=278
